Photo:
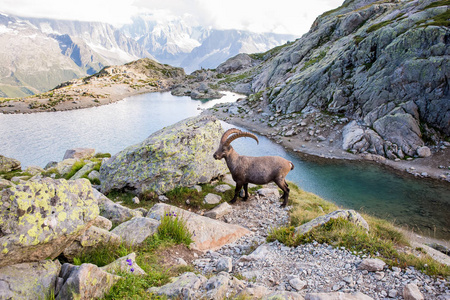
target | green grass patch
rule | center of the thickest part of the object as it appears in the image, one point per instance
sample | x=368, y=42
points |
x=102, y=155
x=440, y=20
x=318, y=58
x=377, y=26
x=75, y=168
x=383, y=238
x=437, y=4
x=358, y=39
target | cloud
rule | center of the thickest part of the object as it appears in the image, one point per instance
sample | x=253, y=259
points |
x=281, y=16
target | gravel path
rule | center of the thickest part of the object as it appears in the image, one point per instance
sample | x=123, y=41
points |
x=310, y=268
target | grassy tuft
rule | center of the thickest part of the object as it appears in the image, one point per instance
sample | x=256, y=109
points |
x=174, y=227
x=75, y=168
x=377, y=26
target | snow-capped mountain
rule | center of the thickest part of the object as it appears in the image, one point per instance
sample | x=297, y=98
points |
x=37, y=54
x=181, y=43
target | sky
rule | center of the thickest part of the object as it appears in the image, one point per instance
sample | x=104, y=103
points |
x=278, y=16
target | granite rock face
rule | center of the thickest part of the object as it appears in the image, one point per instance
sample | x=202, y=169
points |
x=178, y=155
x=39, y=219
x=382, y=64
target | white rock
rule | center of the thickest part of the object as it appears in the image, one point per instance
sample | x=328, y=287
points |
x=222, y=188
x=297, y=284
x=372, y=264
x=135, y=200
x=412, y=292
x=212, y=199
x=267, y=192
x=423, y=151
x=163, y=198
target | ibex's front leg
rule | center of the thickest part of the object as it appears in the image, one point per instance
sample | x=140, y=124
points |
x=236, y=192
x=246, y=192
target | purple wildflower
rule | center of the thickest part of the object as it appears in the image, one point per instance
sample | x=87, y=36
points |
x=132, y=269
x=130, y=262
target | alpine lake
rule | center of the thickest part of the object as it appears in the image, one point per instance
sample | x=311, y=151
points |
x=420, y=205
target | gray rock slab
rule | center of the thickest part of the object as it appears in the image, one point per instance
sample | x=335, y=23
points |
x=136, y=230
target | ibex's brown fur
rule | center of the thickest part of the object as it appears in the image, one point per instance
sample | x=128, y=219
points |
x=248, y=169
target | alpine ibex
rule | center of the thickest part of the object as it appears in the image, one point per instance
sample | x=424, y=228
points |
x=248, y=169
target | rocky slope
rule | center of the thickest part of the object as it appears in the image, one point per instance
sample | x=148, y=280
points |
x=111, y=84
x=383, y=65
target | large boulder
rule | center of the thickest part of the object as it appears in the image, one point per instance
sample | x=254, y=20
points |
x=207, y=234
x=8, y=164
x=178, y=155
x=35, y=280
x=39, y=219
x=401, y=129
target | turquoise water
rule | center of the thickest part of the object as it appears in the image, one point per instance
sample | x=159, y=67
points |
x=36, y=139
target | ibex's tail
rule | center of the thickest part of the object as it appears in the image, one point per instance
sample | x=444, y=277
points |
x=292, y=165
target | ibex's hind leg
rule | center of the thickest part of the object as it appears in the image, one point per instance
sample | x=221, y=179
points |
x=284, y=186
x=236, y=192
x=246, y=192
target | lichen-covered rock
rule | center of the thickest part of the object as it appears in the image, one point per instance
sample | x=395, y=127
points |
x=207, y=234
x=136, y=230
x=102, y=222
x=39, y=219
x=35, y=280
x=8, y=164
x=178, y=155
x=91, y=238
x=5, y=183
x=348, y=214
x=85, y=282
x=114, y=212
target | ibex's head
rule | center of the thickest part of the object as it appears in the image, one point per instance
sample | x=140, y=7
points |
x=227, y=138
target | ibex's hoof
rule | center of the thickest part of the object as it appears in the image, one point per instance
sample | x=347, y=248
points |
x=232, y=201
x=245, y=199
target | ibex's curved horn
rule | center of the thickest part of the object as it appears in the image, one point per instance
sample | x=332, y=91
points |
x=227, y=134
x=239, y=135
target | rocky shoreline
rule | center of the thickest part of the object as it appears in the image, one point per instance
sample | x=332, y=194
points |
x=323, y=140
